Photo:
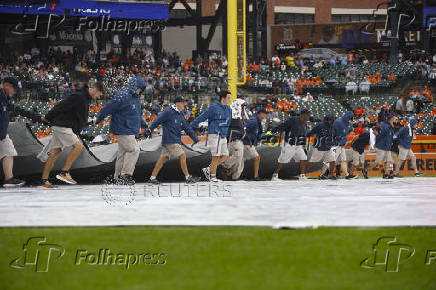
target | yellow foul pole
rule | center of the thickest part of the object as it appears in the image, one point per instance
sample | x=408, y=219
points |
x=236, y=54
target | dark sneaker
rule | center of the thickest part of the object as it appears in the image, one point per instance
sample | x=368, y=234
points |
x=44, y=183
x=153, y=181
x=191, y=179
x=65, y=176
x=351, y=176
x=333, y=177
x=365, y=173
x=14, y=182
x=418, y=174
x=126, y=179
x=322, y=177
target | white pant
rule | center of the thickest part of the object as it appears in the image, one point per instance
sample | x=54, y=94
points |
x=236, y=159
x=289, y=152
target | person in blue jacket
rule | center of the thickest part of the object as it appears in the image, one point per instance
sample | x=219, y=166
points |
x=341, y=129
x=173, y=122
x=405, y=136
x=219, y=116
x=383, y=144
x=126, y=122
x=323, y=145
x=295, y=129
x=254, y=130
x=9, y=87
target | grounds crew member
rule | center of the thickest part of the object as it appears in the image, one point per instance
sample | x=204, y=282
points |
x=173, y=122
x=9, y=87
x=67, y=118
x=126, y=122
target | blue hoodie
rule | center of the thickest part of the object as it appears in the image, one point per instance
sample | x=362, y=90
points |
x=5, y=105
x=219, y=117
x=405, y=135
x=341, y=128
x=254, y=130
x=173, y=122
x=295, y=130
x=125, y=109
x=324, y=135
x=385, y=138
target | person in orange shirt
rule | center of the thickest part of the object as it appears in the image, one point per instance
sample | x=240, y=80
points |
x=427, y=94
x=378, y=77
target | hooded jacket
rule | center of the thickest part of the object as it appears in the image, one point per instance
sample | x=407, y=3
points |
x=219, y=117
x=72, y=112
x=295, y=130
x=254, y=130
x=405, y=135
x=385, y=138
x=341, y=128
x=173, y=122
x=324, y=135
x=125, y=109
x=4, y=114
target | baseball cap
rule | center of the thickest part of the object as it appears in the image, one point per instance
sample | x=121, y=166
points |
x=304, y=111
x=262, y=110
x=179, y=99
x=13, y=81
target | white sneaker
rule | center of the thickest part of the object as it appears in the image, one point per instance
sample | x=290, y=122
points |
x=214, y=179
x=206, y=172
x=276, y=179
x=303, y=177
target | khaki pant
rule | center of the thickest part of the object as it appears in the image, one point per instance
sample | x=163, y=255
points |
x=128, y=153
x=236, y=159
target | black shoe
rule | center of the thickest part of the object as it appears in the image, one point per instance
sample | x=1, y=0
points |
x=365, y=173
x=322, y=177
x=191, y=179
x=257, y=179
x=418, y=174
x=390, y=176
x=153, y=181
x=14, y=182
x=351, y=176
x=126, y=179
x=333, y=177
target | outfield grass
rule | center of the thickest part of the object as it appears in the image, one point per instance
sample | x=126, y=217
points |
x=221, y=258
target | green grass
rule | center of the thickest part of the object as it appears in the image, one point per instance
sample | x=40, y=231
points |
x=221, y=258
